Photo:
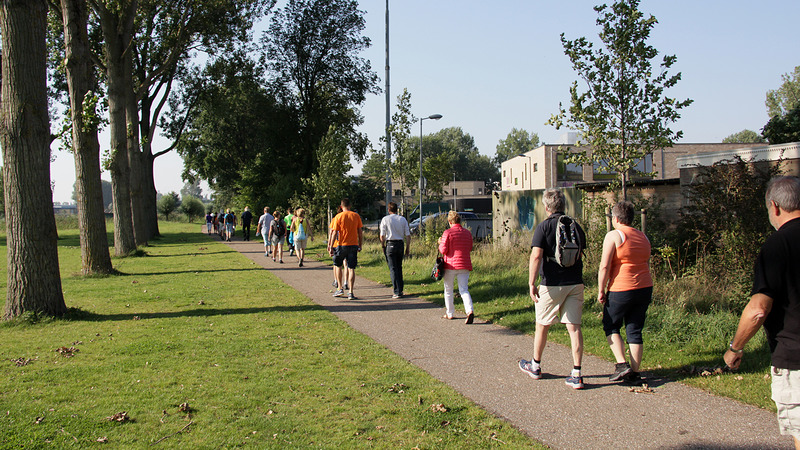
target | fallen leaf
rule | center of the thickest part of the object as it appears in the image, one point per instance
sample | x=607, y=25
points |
x=184, y=407
x=445, y=423
x=67, y=352
x=643, y=389
x=119, y=417
x=20, y=362
x=739, y=377
x=134, y=282
x=102, y=440
x=438, y=407
x=38, y=420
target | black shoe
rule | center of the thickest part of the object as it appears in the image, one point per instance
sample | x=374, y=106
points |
x=470, y=318
x=620, y=371
x=632, y=379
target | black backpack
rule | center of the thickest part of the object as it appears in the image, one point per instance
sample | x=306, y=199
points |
x=568, y=242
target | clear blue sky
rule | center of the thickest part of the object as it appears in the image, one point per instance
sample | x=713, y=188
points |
x=488, y=67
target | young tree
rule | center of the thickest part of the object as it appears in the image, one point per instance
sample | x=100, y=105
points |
x=167, y=204
x=625, y=114
x=34, y=281
x=405, y=167
x=192, y=207
x=745, y=136
x=782, y=100
x=85, y=120
x=331, y=179
x=516, y=143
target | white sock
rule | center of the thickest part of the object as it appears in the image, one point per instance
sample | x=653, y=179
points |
x=576, y=373
x=535, y=365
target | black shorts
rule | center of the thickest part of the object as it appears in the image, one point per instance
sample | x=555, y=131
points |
x=628, y=306
x=347, y=253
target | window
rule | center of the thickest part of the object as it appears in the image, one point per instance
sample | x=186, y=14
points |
x=535, y=167
x=398, y=192
x=455, y=191
x=413, y=192
x=515, y=181
x=644, y=165
x=525, y=172
x=568, y=171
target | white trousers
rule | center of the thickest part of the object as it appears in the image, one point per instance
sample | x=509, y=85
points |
x=463, y=279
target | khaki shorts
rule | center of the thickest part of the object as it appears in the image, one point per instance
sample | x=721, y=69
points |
x=786, y=394
x=300, y=244
x=559, y=301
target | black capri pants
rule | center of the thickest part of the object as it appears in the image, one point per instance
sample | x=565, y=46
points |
x=630, y=307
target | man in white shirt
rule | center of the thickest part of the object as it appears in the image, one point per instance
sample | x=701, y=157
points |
x=394, y=234
x=263, y=229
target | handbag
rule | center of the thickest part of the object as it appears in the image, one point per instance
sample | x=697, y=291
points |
x=438, y=268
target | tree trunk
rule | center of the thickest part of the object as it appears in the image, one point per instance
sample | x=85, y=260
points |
x=135, y=162
x=34, y=281
x=95, y=258
x=117, y=30
x=149, y=201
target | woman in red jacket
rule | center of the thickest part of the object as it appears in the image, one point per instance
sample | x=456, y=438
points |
x=455, y=245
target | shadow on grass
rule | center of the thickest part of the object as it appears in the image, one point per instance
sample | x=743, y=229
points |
x=80, y=315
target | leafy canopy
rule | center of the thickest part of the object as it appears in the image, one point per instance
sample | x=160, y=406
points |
x=782, y=100
x=745, y=136
x=516, y=143
x=625, y=113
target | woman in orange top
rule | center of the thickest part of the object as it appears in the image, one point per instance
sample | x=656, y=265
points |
x=625, y=289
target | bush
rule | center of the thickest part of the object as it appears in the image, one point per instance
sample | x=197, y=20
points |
x=167, y=204
x=192, y=207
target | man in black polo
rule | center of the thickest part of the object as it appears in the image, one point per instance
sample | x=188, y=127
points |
x=775, y=303
x=247, y=217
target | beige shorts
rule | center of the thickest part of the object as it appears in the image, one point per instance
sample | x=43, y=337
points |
x=786, y=394
x=300, y=244
x=559, y=301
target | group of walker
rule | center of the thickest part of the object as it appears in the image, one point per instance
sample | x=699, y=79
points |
x=625, y=285
x=275, y=229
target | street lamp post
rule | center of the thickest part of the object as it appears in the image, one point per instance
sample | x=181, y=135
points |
x=434, y=117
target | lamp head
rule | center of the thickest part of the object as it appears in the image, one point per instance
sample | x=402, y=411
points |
x=435, y=116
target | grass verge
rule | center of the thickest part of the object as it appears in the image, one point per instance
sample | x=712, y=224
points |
x=680, y=343
x=195, y=346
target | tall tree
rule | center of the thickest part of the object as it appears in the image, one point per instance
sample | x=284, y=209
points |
x=117, y=22
x=331, y=179
x=312, y=48
x=745, y=136
x=780, y=101
x=85, y=119
x=516, y=143
x=34, y=281
x=167, y=35
x=625, y=114
x=785, y=128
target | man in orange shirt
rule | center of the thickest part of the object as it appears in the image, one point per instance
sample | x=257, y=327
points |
x=346, y=227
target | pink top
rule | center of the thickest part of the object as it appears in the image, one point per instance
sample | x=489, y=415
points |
x=456, y=244
x=630, y=268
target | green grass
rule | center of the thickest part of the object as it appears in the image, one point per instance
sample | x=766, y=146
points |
x=258, y=364
x=679, y=343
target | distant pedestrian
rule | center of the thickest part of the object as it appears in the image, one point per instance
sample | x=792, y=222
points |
x=301, y=233
x=395, y=235
x=209, y=222
x=455, y=245
x=287, y=219
x=262, y=229
x=277, y=232
x=625, y=289
x=230, y=223
x=347, y=230
x=775, y=303
x=560, y=292
x=247, y=218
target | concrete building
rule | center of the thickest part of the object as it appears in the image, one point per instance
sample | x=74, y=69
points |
x=788, y=154
x=461, y=195
x=544, y=167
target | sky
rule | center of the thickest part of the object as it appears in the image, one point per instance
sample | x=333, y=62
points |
x=488, y=67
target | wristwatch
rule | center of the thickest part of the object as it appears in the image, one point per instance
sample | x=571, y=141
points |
x=730, y=347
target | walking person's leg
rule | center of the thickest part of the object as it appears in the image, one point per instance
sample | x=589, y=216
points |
x=463, y=289
x=447, y=280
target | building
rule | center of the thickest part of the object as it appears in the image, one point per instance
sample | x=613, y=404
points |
x=544, y=166
x=460, y=195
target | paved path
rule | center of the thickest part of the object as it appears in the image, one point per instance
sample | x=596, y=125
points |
x=480, y=362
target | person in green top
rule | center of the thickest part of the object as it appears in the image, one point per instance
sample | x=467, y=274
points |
x=289, y=235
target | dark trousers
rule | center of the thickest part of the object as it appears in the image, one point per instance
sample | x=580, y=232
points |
x=394, y=258
x=246, y=231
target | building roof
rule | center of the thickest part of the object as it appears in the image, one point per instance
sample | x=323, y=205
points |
x=764, y=153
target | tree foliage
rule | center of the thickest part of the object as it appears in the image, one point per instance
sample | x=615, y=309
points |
x=312, y=50
x=783, y=129
x=782, y=100
x=405, y=166
x=746, y=137
x=625, y=113
x=516, y=143
x=191, y=207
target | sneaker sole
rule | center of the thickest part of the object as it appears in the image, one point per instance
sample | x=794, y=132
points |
x=574, y=386
x=530, y=374
x=621, y=375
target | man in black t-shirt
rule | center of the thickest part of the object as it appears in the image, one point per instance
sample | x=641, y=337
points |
x=775, y=303
x=247, y=217
x=560, y=293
